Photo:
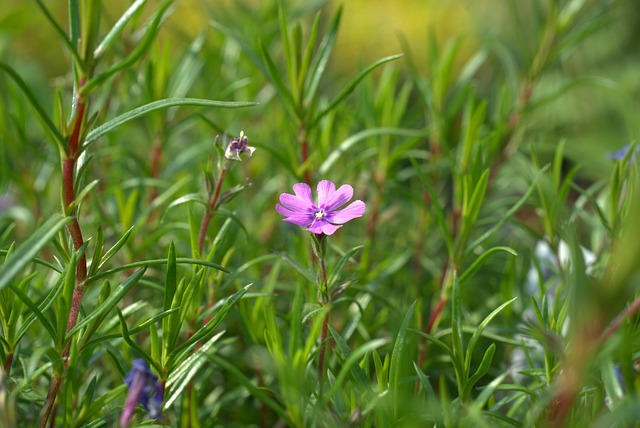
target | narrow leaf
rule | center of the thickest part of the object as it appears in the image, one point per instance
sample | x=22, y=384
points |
x=32, y=246
x=158, y=105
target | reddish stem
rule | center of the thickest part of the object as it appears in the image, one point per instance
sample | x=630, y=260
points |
x=69, y=194
x=8, y=362
x=211, y=207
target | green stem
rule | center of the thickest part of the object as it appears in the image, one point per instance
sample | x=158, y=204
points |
x=325, y=326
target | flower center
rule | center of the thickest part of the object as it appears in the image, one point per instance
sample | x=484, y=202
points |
x=319, y=214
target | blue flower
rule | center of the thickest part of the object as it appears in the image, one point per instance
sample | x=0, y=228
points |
x=144, y=389
x=621, y=153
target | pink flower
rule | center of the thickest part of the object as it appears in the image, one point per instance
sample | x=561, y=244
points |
x=324, y=217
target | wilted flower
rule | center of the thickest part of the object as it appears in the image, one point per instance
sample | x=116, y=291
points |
x=144, y=389
x=325, y=216
x=237, y=146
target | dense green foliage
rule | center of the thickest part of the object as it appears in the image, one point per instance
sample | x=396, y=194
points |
x=493, y=280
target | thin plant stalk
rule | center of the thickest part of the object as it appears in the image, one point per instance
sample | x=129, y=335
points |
x=325, y=324
x=69, y=194
x=211, y=207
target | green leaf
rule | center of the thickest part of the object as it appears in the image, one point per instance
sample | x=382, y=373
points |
x=127, y=338
x=63, y=36
x=342, y=348
x=482, y=258
x=398, y=360
x=509, y=214
x=350, y=87
x=337, y=270
x=309, y=274
x=32, y=246
x=255, y=391
x=478, y=331
x=139, y=50
x=484, y=367
x=114, y=250
x=436, y=206
x=149, y=263
x=355, y=357
x=321, y=60
x=471, y=207
x=117, y=28
x=42, y=115
x=182, y=375
x=113, y=299
x=202, y=333
x=44, y=320
x=336, y=154
x=158, y=105
x=274, y=75
x=170, y=279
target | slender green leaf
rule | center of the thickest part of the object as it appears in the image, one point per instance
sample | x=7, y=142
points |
x=158, y=105
x=32, y=246
x=139, y=50
x=355, y=357
x=399, y=357
x=342, y=148
x=484, y=367
x=63, y=36
x=44, y=320
x=320, y=61
x=255, y=391
x=482, y=258
x=171, y=280
x=111, y=36
x=149, y=263
x=44, y=118
x=182, y=375
x=478, y=331
x=113, y=299
x=350, y=87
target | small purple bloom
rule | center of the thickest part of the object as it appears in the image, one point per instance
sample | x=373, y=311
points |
x=621, y=153
x=144, y=389
x=325, y=216
x=237, y=146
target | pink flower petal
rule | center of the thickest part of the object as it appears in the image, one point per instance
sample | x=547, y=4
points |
x=294, y=203
x=340, y=197
x=316, y=226
x=326, y=190
x=353, y=210
x=321, y=226
x=286, y=211
x=328, y=228
x=303, y=191
x=299, y=220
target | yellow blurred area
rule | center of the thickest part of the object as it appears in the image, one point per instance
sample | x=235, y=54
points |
x=372, y=29
x=369, y=30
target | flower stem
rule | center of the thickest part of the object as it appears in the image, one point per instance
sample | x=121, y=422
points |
x=304, y=153
x=325, y=325
x=211, y=207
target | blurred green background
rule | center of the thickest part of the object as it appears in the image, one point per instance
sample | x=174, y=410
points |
x=598, y=113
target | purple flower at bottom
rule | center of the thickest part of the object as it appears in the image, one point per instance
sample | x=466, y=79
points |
x=144, y=389
x=324, y=217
